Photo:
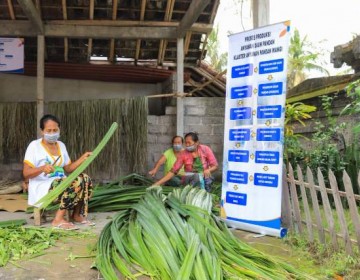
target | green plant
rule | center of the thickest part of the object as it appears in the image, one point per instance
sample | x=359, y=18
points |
x=295, y=113
x=353, y=91
x=302, y=57
x=329, y=262
x=325, y=153
x=216, y=59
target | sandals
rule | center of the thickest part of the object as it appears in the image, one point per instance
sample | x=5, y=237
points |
x=85, y=223
x=65, y=226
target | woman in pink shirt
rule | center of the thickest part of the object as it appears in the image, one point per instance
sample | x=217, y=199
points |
x=198, y=161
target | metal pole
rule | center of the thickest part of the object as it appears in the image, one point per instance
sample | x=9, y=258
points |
x=40, y=80
x=180, y=87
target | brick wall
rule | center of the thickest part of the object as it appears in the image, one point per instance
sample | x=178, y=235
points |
x=205, y=115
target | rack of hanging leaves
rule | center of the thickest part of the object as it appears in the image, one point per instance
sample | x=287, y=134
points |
x=83, y=123
x=176, y=236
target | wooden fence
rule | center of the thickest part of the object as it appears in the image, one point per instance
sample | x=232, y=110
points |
x=317, y=218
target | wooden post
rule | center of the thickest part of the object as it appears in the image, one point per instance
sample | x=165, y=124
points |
x=286, y=218
x=40, y=81
x=295, y=199
x=315, y=203
x=180, y=87
x=306, y=204
x=340, y=212
x=37, y=216
x=352, y=206
x=327, y=209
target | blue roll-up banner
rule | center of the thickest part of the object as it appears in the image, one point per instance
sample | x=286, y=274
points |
x=12, y=55
x=254, y=129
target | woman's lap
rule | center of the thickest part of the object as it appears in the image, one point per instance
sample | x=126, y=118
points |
x=79, y=191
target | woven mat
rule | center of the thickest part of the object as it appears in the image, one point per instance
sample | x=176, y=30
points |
x=13, y=202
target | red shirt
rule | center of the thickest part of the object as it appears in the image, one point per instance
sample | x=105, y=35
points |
x=185, y=158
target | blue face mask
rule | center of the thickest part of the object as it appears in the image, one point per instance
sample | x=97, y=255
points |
x=191, y=148
x=51, y=137
x=177, y=147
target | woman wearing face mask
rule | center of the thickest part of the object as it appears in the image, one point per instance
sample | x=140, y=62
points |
x=199, y=162
x=168, y=158
x=46, y=163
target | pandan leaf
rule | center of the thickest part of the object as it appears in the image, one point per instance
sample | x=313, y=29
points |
x=52, y=195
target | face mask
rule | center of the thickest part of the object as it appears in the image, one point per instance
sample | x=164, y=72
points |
x=177, y=147
x=191, y=148
x=51, y=138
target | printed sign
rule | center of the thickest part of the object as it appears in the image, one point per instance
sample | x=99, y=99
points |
x=254, y=129
x=12, y=55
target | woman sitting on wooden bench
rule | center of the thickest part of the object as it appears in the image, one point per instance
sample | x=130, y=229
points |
x=45, y=166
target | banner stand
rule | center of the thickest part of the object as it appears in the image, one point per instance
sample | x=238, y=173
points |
x=254, y=129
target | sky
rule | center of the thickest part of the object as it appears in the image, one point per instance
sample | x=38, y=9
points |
x=327, y=23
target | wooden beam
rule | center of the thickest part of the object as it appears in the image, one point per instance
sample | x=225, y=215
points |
x=137, y=51
x=196, y=27
x=214, y=79
x=66, y=49
x=187, y=42
x=161, y=46
x=89, y=50
x=91, y=9
x=91, y=17
x=11, y=9
x=40, y=73
x=66, y=41
x=32, y=14
x=163, y=43
x=114, y=11
x=138, y=41
x=109, y=32
x=112, y=40
x=142, y=12
x=24, y=28
x=214, y=11
x=112, y=50
x=191, y=16
x=204, y=46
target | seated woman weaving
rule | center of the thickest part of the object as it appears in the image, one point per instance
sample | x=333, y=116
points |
x=199, y=162
x=45, y=164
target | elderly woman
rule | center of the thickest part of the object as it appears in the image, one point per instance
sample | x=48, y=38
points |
x=199, y=162
x=168, y=158
x=46, y=163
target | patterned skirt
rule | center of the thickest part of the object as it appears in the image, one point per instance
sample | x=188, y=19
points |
x=79, y=192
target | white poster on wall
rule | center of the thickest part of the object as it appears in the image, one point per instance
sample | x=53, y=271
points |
x=254, y=129
x=12, y=55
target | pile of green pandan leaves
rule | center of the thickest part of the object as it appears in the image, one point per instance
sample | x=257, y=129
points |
x=176, y=236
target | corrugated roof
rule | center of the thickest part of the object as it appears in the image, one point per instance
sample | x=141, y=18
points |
x=102, y=72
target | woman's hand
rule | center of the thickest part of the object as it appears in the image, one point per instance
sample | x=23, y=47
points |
x=152, y=172
x=207, y=173
x=85, y=156
x=47, y=169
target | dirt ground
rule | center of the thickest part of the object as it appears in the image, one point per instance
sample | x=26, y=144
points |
x=57, y=263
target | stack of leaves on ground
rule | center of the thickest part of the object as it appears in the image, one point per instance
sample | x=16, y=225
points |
x=18, y=242
x=177, y=237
